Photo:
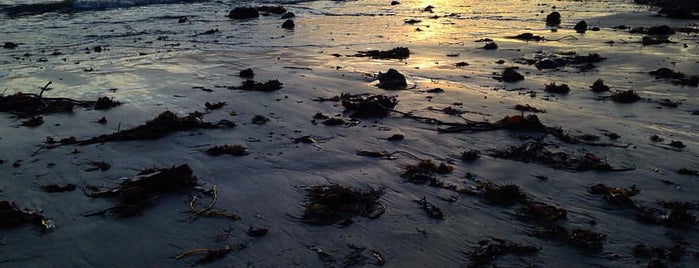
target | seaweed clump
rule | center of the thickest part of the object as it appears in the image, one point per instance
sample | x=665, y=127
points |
x=537, y=211
x=136, y=193
x=162, y=125
x=536, y=152
x=28, y=104
x=675, y=77
x=488, y=250
x=392, y=80
x=599, y=86
x=11, y=216
x=584, y=240
x=423, y=172
x=251, y=85
x=615, y=195
x=330, y=204
x=628, y=96
x=235, y=150
x=510, y=75
x=553, y=88
x=399, y=53
x=370, y=106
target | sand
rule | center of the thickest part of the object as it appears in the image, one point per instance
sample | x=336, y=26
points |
x=266, y=188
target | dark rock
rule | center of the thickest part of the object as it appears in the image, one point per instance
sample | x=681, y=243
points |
x=9, y=45
x=272, y=9
x=104, y=103
x=660, y=30
x=666, y=73
x=546, y=64
x=98, y=49
x=182, y=20
x=399, y=53
x=510, y=75
x=393, y=3
x=553, y=19
x=289, y=24
x=240, y=13
x=553, y=88
x=628, y=96
x=288, y=15
x=599, y=86
x=247, y=73
x=581, y=27
x=392, y=79
x=490, y=46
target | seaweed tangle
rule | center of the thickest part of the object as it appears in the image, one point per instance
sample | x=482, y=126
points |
x=585, y=240
x=330, y=204
x=369, y=106
x=399, y=53
x=136, y=193
x=251, y=85
x=28, y=104
x=536, y=152
x=11, y=216
x=160, y=126
x=488, y=250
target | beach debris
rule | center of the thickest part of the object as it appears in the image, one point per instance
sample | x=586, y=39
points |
x=490, y=46
x=251, y=85
x=392, y=80
x=9, y=45
x=677, y=144
x=208, y=211
x=676, y=215
x=412, y=21
x=538, y=211
x=396, y=137
x=305, y=139
x=234, y=150
x=668, y=103
x=28, y=104
x=615, y=195
x=98, y=165
x=585, y=240
x=240, y=13
x=528, y=108
x=599, y=86
x=675, y=77
x=428, y=8
x=628, y=96
x=461, y=64
x=257, y=232
x=329, y=204
x=104, y=103
x=356, y=257
x=510, y=75
x=553, y=88
x=503, y=195
x=686, y=171
x=488, y=250
x=527, y=37
x=55, y=188
x=160, y=126
x=33, y=121
x=470, y=155
x=432, y=210
x=367, y=106
x=247, y=73
x=259, y=120
x=399, y=53
x=334, y=121
x=211, y=255
x=655, y=255
x=11, y=216
x=580, y=27
x=215, y=105
x=288, y=24
x=553, y=19
x=272, y=9
x=136, y=193
x=547, y=64
x=536, y=152
x=423, y=171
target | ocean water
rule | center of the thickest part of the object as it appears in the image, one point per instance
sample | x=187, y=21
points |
x=145, y=55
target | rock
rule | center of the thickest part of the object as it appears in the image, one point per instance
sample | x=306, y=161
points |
x=288, y=24
x=288, y=15
x=628, y=96
x=490, y=46
x=182, y=20
x=240, y=13
x=9, y=45
x=660, y=30
x=553, y=88
x=599, y=86
x=393, y=3
x=581, y=27
x=247, y=73
x=392, y=79
x=553, y=19
x=272, y=9
x=510, y=75
x=546, y=64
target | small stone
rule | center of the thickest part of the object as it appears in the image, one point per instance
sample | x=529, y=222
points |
x=240, y=13
x=581, y=27
x=392, y=79
x=553, y=19
x=288, y=24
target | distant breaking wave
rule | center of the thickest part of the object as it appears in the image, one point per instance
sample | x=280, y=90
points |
x=67, y=6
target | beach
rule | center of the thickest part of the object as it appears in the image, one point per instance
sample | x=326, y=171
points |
x=256, y=207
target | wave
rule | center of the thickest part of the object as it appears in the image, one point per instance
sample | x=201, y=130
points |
x=68, y=6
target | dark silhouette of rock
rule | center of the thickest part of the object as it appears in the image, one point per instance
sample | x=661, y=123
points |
x=240, y=13
x=392, y=79
x=599, y=86
x=546, y=64
x=553, y=19
x=247, y=73
x=393, y=3
x=553, y=88
x=581, y=27
x=9, y=45
x=289, y=24
x=510, y=75
x=288, y=15
x=490, y=46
